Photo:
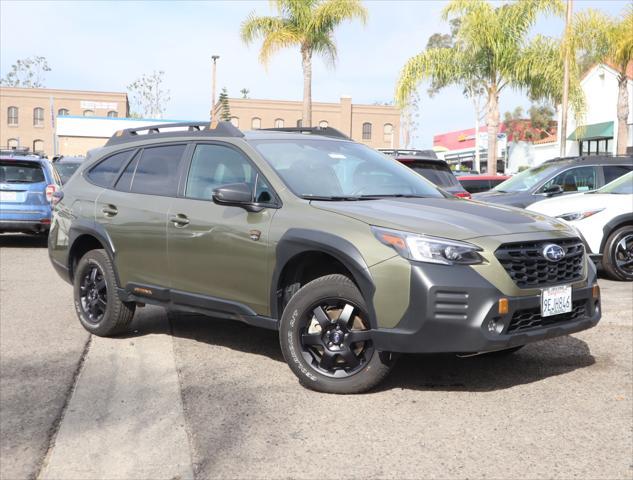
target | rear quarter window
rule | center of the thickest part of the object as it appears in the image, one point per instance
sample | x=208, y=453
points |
x=104, y=173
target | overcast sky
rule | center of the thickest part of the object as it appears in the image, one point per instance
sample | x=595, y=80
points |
x=107, y=45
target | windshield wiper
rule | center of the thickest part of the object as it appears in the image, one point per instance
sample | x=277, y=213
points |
x=333, y=198
x=394, y=195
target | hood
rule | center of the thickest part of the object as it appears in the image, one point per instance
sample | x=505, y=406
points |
x=513, y=199
x=445, y=217
x=579, y=202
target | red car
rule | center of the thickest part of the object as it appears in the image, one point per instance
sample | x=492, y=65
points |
x=481, y=183
x=426, y=163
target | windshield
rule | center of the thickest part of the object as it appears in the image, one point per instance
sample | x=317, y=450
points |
x=438, y=173
x=621, y=186
x=335, y=170
x=66, y=170
x=20, y=172
x=526, y=179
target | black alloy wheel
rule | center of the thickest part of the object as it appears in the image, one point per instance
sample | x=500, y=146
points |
x=94, y=294
x=335, y=339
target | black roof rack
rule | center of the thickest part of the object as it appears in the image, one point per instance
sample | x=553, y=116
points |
x=395, y=152
x=21, y=151
x=323, y=131
x=204, y=129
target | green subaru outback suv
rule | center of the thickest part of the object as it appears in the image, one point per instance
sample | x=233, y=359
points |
x=350, y=255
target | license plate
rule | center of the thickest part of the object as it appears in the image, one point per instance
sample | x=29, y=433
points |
x=555, y=300
x=8, y=197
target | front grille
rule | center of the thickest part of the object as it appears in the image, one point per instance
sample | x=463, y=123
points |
x=527, y=266
x=531, y=317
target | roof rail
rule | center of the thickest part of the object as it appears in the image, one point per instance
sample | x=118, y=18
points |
x=22, y=151
x=323, y=131
x=204, y=129
x=394, y=152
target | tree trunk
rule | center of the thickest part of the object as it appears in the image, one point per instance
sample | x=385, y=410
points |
x=623, y=115
x=306, y=62
x=492, y=121
x=477, y=164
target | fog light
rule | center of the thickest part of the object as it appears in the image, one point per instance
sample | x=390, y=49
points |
x=503, y=306
x=595, y=291
x=495, y=325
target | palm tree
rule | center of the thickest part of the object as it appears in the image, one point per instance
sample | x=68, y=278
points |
x=493, y=49
x=610, y=40
x=308, y=24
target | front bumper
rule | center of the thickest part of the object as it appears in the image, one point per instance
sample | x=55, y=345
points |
x=450, y=311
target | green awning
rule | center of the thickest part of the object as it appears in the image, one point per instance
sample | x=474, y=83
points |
x=593, y=132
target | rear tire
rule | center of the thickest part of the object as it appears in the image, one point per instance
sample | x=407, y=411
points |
x=617, y=259
x=97, y=302
x=325, y=338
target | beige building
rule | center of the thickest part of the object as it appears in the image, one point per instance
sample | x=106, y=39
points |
x=28, y=116
x=375, y=125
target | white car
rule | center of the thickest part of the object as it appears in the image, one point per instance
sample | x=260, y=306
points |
x=604, y=217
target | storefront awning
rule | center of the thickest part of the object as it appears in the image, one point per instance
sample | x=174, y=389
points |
x=593, y=132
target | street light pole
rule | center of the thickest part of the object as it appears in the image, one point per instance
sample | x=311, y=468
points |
x=214, y=58
x=564, y=105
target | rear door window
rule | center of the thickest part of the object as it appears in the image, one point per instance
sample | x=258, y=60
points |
x=436, y=172
x=611, y=172
x=21, y=172
x=104, y=173
x=157, y=172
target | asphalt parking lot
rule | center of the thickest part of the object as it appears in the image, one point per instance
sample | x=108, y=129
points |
x=185, y=396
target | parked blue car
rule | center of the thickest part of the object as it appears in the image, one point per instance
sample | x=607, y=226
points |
x=27, y=185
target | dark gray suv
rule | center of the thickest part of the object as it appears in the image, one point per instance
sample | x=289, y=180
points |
x=558, y=176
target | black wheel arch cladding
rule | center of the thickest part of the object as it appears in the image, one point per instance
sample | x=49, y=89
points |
x=298, y=241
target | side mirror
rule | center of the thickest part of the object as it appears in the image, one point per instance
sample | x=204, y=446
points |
x=236, y=194
x=553, y=190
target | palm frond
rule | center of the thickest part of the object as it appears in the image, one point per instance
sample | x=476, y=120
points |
x=444, y=66
x=330, y=13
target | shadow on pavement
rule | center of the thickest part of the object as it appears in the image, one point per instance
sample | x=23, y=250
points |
x=444, y=372
x=18, y=240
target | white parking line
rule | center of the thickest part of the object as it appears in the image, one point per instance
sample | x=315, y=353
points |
x=125, y=419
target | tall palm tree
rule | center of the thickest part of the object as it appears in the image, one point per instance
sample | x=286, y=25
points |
x=610, y=40
x=308, y=24
x=493, y=49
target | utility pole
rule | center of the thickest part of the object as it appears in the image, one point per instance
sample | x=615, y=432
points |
x=564, y=105
x=214, y=58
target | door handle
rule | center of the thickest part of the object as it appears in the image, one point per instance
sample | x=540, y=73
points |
x=179, y=221
x=109, y=210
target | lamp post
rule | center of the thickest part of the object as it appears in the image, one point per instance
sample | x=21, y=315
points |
x=564, y=105
x=214, y=58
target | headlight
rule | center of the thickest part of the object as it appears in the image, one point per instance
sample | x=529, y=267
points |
x=429, y=249
x=574, y=216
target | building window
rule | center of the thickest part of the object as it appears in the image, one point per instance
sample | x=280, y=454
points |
x=63, y=111
x=235, y=121
x=323, y=124
x=299, y=123
x=112, y=114
x=38, y=146
x=89, y=113
x=388, y=133
x=279, y=123
x=38, y=117
x=366, y=131
x=602, y=146
x=12, y=115
x=13, y=143
x=256, y=123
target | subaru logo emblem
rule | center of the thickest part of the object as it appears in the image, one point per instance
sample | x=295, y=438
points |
x=553, y=252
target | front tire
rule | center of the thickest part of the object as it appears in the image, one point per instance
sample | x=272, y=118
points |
x=617, y=259
x=97, y=303
x=325, y=338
